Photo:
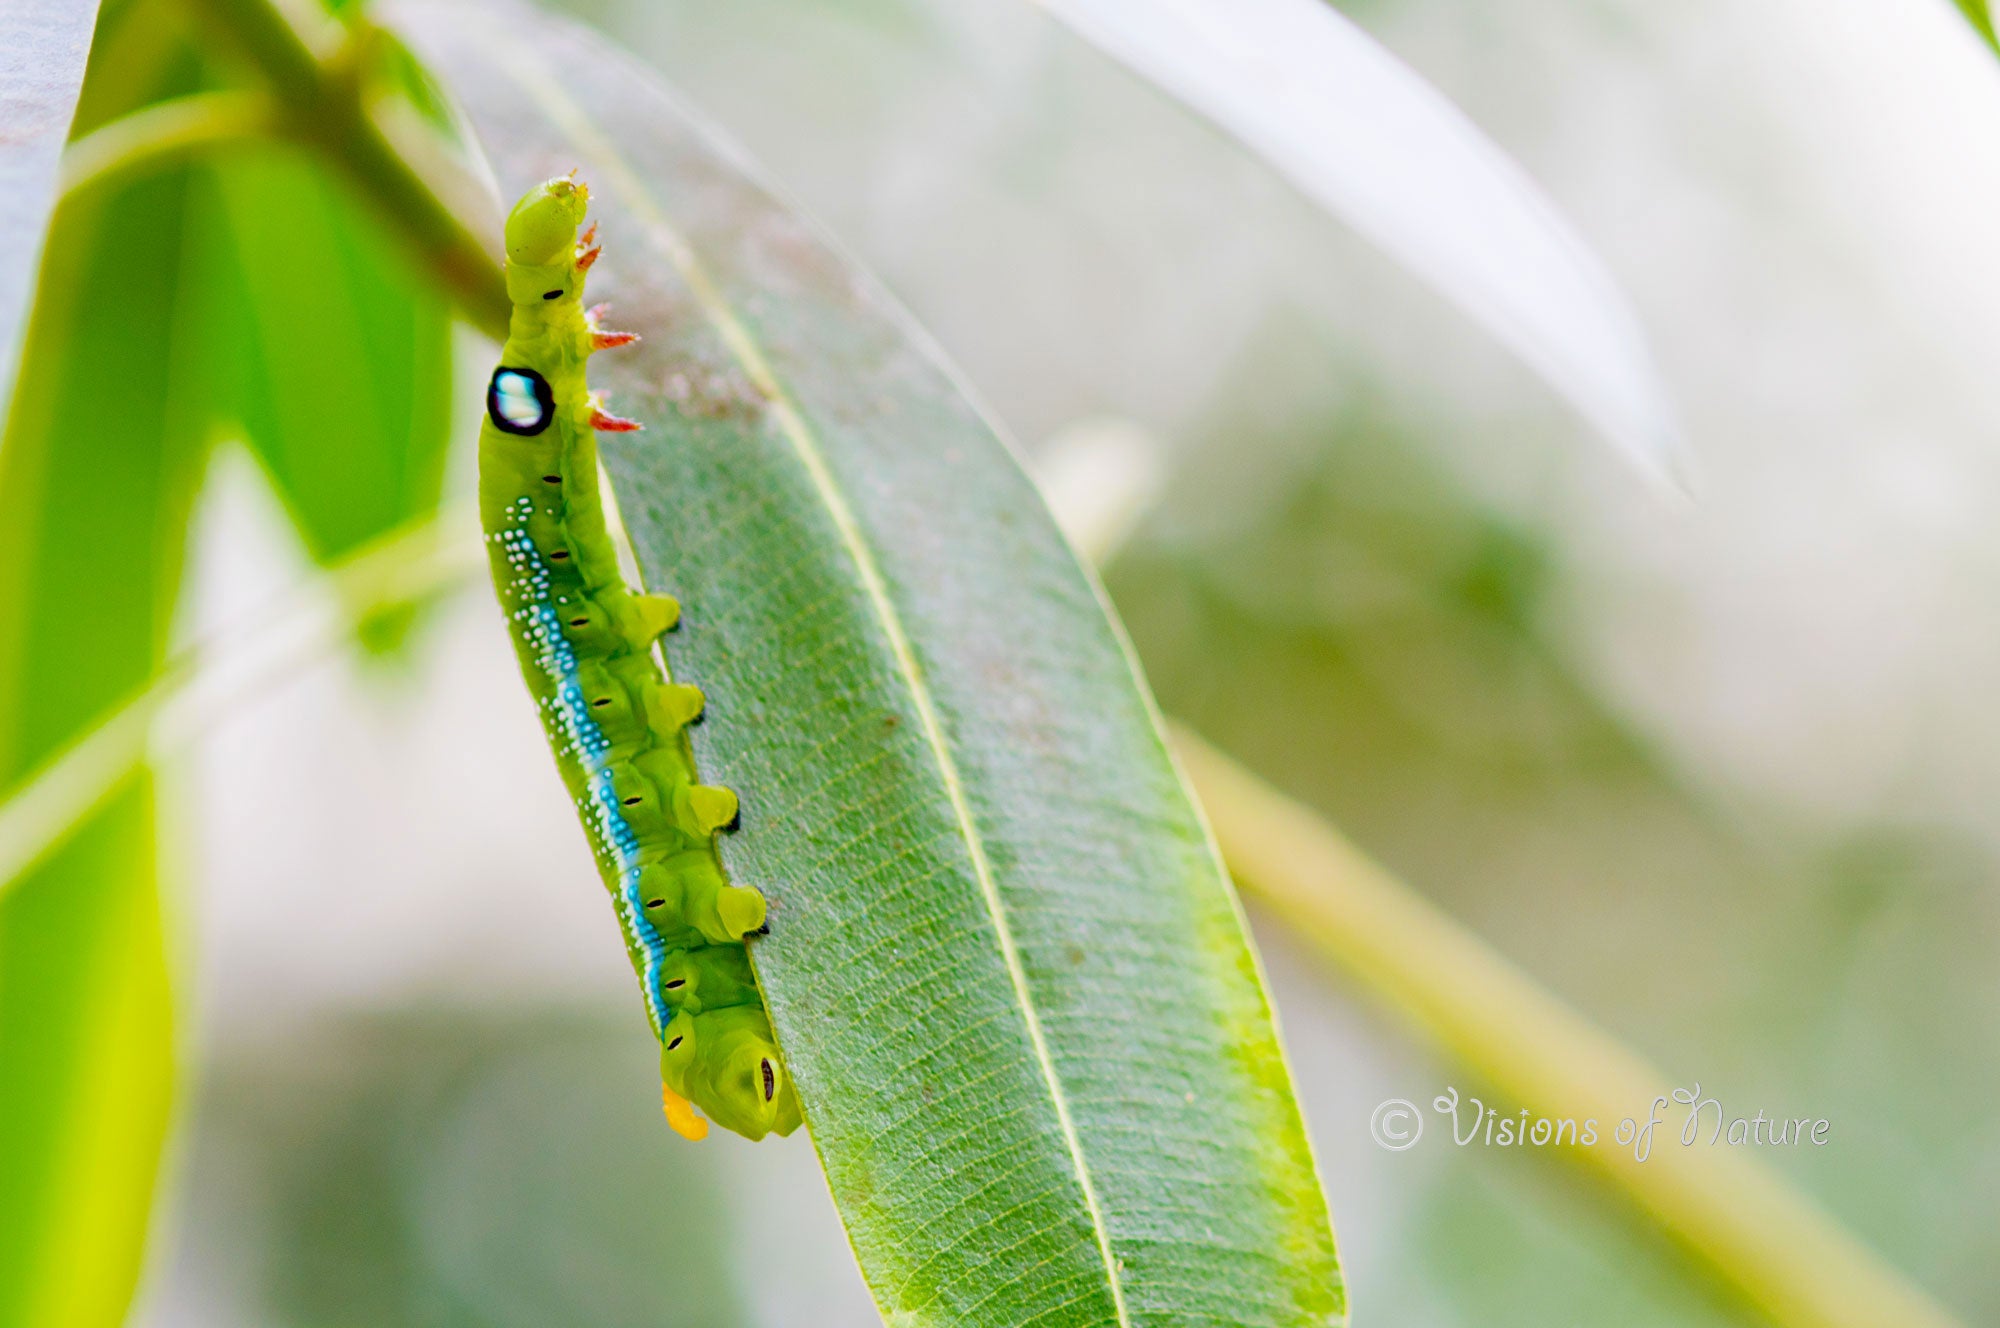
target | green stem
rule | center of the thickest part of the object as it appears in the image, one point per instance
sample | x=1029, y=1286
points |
x=319, y=102
x=1735, y=1216
x=200, y=688
x=161, y=135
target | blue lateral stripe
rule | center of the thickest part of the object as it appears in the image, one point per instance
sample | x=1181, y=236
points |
x=557, y=660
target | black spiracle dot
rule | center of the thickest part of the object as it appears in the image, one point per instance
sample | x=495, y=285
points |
x=656, y=903
x=600, y=702
x=579, y=622
x=633, y=801
x=677, y=984
x=552, y=295
x=770, y=1080
x=559, y=555
x=675, y=1043
x=552, y=479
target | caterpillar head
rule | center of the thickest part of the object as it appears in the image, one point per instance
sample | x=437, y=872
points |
x=725, y=1063
x=542, y=227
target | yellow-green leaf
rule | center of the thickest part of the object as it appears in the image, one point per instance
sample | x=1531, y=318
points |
x=1981, y=17
x=339, y=356
x=99, y=466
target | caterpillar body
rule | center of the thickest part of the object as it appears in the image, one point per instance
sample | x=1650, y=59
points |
x=588, y=648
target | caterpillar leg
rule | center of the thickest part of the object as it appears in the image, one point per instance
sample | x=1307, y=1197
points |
x=703, y=809
x=643, y=619
x=637, y=619
x=674, y=704
x=657, y=615
x=687, y=893
x=737, y=912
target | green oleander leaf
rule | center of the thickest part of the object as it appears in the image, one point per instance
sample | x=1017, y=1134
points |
x=106, y=441
x=341, y=357
x=1008, y=974
x=101, y=458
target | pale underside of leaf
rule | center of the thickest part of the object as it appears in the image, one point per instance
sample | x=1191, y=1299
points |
x=1360, y=134
x=1004, y=965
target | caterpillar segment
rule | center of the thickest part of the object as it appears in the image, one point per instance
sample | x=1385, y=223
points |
x=617, y=721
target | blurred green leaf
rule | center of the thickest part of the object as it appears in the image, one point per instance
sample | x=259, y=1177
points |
x=42, y=56
x=86, y=1033
x=105, y=445
x=103, y=451
x=1981, y=18
x=1005, y=967
x=342, y=358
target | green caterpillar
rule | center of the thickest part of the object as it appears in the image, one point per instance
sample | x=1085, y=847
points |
x=616, y=720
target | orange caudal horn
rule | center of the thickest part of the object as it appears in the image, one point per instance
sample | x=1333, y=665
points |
x=682, y=1116
x=603, y=420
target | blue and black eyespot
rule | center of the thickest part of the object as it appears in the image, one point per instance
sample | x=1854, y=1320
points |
x=519, y=401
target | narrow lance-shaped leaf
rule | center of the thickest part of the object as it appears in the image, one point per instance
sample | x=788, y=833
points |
x=105, y=444
x=43, y=49
x=1007, y=972
x=1360, y=134
x=99, y=465
x=340, y=358
x=1981, y=17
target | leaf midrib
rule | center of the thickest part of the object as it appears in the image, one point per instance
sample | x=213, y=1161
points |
x=544, y=88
